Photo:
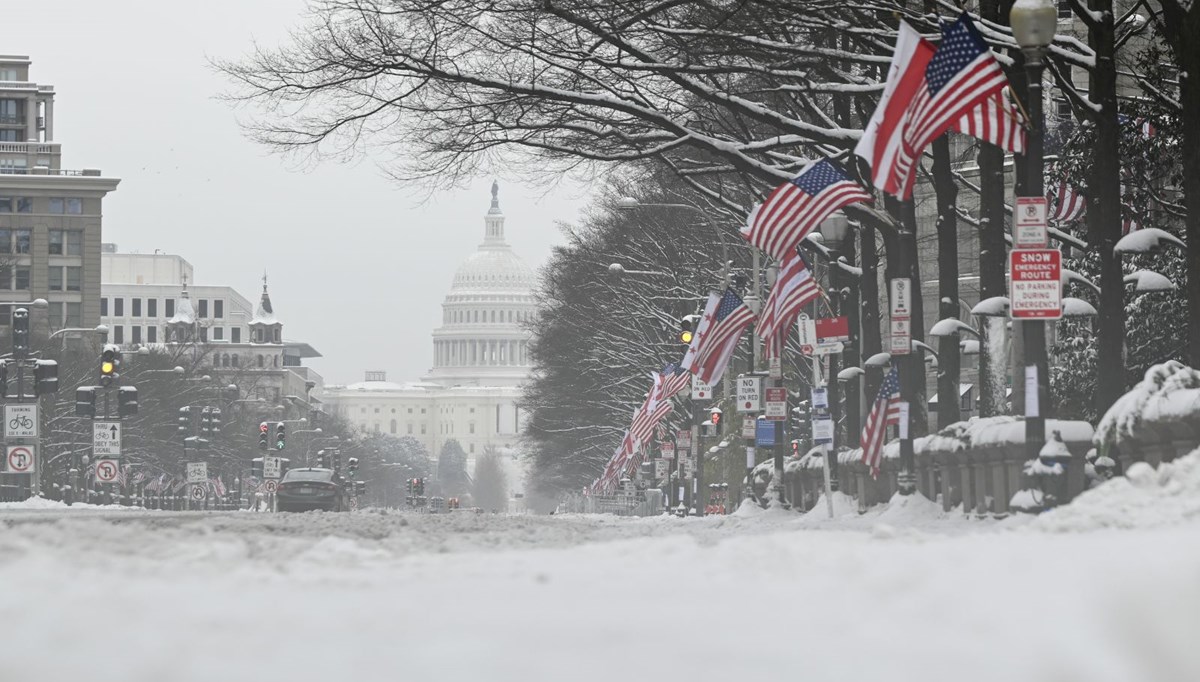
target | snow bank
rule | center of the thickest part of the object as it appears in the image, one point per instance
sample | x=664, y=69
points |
x=43, y=504
x=1169, y=392
x=1144, y=498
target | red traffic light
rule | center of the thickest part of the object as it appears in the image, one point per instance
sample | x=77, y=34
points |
x=263, y=428
x=716, y=418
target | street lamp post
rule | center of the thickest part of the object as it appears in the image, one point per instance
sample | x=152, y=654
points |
x=1033, y=25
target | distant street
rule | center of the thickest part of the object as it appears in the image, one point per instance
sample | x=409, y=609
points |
x=143, y=595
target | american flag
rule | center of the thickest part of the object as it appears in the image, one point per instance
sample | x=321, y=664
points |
x=998, y=120
x=884, y=412
x=643, y=419
x=139, y=477
x=962, y=75
x=1069, y=204
x=1129, y=221
x=794, y=288
x=675, y=379
x=720, y=330
x=797, y=206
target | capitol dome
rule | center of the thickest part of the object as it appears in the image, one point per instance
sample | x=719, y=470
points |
x=483, y=340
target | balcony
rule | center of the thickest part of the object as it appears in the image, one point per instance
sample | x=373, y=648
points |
x=25, y=85
x=30, y=148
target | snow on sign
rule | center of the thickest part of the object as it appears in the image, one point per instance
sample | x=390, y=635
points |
x=749, y=394
x=106, y=470
x=197, y=472
x=20, y=459
x=21, y=421
x=1036, y=285
x=106, y=439
x=1029, y=223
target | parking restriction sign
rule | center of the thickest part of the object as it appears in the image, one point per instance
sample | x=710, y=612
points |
x=1036, y=284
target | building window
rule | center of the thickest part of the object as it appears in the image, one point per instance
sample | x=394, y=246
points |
x=410, y=410
x=376, y=410
x=410, y=428
x=471, y=428
x=135, y=307
x=118, y=334
x=1064, y=9
x=218, y=333
x=422, y=429
x=22, y=278
x=393, y=426
x=5, y=241
x=103, y=306
x=24, y=241
x=24, y=205
x=170, y=307
x=203, y=307
x=204, y=334
x=151, y=334
x=58, y=241
x=262, y=362
x=74, y=243
x=57, y=205
x=6, y=204
x=237, y=334
x=56, y=278
x=135, y=334
x=118, y=307
x=74, y=205
x=54, y=313
x=74, y=278
x=74, y=315
x=6, y=280
x=152, y=307
x=472, y=448
x=234, y=360
x=218, y=309
x=422, y=410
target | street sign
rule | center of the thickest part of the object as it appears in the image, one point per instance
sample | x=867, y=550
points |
x=775, y=368
x=106, y=439
x=901, y=337
x=828, y=348
x=107, y=470
x=776, y=404
x=683, y=439
x=272, y=467
x=198, y=493
x=764, y=434
x=807, y=334
x=197, y=472
x=748, y=427
x=271, y=485
x=21, y=460
x=749, y=394
x=820, y=398
x=662, y=467
x=21, y=421
x=901, y=300
x=902, y=413
x=354, y=503
x=701, y=390
x=830, y=329
x=1029, y=223
x=1036, y=288
x=822, y=430
x=687, y=466
x=667, y=448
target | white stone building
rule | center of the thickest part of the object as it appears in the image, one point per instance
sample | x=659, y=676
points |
x=481, y=357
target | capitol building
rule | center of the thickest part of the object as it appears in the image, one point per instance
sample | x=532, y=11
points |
x=480, y=359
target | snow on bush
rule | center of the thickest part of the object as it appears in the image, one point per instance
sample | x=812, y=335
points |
x=1168, y=392
x=1145, y=497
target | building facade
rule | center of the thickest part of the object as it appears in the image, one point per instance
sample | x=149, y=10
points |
x=480, y=360
x=50, y=217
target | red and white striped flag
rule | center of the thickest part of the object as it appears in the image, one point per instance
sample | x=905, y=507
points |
x=884, y=134
x=998, y=120
x=717, y=336
x=1069, y=204
x=962, y=74
x=794, y=288
x=884, y=411
x=797, y=206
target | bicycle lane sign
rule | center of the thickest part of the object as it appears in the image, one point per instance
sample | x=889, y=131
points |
x=21, y=421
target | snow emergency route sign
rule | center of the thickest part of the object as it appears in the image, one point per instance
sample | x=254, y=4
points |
x=1036, y=289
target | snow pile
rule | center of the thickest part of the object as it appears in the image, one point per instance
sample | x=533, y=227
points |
x=1144, y=498
x=1169, y=392
x=43, y=504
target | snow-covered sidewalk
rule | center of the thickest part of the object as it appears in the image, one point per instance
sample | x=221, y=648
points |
x=897, y=594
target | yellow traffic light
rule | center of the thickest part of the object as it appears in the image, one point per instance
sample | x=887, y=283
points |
x=685, y=336
x=106, y=367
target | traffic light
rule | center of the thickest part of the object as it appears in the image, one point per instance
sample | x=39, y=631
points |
x=795, y=448
x=205, y=421
x=185, y=421
x=214, y=420
x=321, y=459
x=420, y=487
x=45, y=376
x=110, y=360
x=20, y=333
x=351, y=467
x=256, y=467
x=85, y=402
x=687, y=328
x=264, y=431
x=280, y=436
x=127, y=401
x=4, y=378
x=715, y=417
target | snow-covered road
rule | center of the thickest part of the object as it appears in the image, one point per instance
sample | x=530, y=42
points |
x=898, y=595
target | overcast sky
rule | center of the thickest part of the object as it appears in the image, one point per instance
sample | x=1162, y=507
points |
x=358, y=266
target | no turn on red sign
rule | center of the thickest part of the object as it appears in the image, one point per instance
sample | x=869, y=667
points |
x=1035, y=284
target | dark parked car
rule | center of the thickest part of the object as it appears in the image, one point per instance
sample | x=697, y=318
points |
x=311, y=488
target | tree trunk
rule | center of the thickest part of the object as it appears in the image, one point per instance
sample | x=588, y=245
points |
x=947, y=230
x=1104, y=212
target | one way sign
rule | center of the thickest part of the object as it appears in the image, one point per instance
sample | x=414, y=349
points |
x=106, y=439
